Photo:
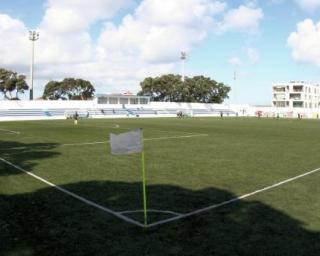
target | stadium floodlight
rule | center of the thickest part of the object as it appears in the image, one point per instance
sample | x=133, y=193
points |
x=33, y=36
x=183, y=58
x=234, y=86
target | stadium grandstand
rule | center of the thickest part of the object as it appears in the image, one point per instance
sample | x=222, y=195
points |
x=123, y=106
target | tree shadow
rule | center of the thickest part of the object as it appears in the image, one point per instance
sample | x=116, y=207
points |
x=23, y=155
x=48, y=222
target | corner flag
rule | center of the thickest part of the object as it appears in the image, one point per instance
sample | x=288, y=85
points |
x=128, y=143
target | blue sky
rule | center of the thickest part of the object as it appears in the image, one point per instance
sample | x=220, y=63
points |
x=115, y=44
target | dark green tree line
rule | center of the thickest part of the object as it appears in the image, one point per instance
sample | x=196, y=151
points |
x=196, y=89
x=11, y=84
x=69, y=89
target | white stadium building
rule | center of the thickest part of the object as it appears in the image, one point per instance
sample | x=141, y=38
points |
x=289, y=100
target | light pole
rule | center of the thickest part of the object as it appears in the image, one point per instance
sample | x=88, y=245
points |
x=33, y=36
x=234, y=86
x=183, y=58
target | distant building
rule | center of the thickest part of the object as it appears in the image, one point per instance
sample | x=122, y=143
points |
x=295, y=94
x=123, y=99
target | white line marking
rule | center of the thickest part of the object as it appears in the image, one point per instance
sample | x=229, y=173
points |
x=14, y=132
x=179, y=216
x=107, y=127
x=85, y=143
x=99, y=142
x=186, y=133
x=231, y=200
x=80, y=198
x=125, y=128
x=147, y=139
x=178, y=137
x=152, y=210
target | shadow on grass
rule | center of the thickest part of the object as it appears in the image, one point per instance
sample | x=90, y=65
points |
x=23, y=155
x=48, y=222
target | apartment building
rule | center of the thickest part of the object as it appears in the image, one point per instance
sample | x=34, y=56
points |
x=295, y=94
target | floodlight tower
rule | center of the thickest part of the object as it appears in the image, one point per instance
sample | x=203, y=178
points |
x=33, y=36
x=183, y=58
x=234, y=86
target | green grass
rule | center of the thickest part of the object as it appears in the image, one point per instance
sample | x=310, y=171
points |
x=238, y=156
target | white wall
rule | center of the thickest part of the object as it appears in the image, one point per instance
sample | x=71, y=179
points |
x=286, y=112
x=242, y=110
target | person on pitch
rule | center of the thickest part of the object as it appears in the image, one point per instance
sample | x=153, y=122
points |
x=76, y=115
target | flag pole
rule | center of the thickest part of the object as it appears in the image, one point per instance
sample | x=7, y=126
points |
x=144, y=183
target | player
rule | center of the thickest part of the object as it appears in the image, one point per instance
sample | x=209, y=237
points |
x=76, y=115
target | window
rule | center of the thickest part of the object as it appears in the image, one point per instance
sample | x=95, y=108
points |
x=124, y=100
x=102, y=100
x=298, y=88
x=143, y=100
x=295, y=96
x=279, y=96
x=113, y=100
x=297, y=104
x=134, y=101
x=279, y=89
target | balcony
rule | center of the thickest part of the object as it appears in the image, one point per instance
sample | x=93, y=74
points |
x=297, y=88
x=280, y=104
x=295, y=96
x=298, y=104
x=279, y=89
x=279, y=96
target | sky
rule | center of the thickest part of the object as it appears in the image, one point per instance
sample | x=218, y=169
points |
x=116, y=44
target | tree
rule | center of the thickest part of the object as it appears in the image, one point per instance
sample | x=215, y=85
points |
x=12, y=83
x=78, y=89
x=196, y=89
x=164, y=88
x=54, y=91
x=69, y=88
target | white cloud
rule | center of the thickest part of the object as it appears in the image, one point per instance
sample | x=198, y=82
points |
x=309, y=5
x=158, y=30
x=179, y=12
x=235, y=61
x=253, y=55
x=304, y=42
x=244, y=18
x=276, y=1
x=65, y=25
x=149, y=41
x=73, y=15
x=146, y=42
x=13, y=43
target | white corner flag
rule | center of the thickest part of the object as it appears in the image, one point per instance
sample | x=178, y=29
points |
x=126, y=143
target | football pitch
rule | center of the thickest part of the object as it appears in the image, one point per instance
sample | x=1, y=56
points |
x=232, y=186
